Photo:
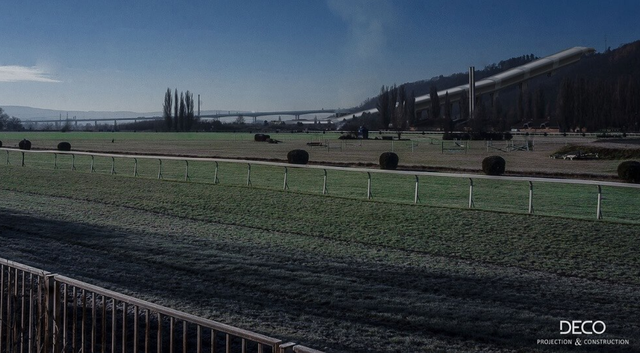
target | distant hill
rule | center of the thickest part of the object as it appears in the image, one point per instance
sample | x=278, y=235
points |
x=29, y=113
x=604, y=72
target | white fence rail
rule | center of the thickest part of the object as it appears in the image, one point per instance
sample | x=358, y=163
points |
x=417, y=174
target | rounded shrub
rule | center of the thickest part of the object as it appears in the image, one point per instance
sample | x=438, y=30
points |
x=64, y=146
x=493, y=165
x=629, y=171
x=298, y=157
x=24, y=144
x=261, y=137
x=389, y=160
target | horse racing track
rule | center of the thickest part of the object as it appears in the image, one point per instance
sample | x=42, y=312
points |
x=335, y=274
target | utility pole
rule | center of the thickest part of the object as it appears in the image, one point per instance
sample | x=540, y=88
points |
x=198, y=106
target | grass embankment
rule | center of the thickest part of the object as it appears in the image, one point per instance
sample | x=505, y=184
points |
x=610, y=153
x=333, y=273
x=424, y=151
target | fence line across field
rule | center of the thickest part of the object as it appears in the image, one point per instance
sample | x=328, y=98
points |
x=368, y=171
x=45, y=312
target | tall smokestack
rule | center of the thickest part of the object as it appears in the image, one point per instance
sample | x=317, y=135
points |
x=472, y=91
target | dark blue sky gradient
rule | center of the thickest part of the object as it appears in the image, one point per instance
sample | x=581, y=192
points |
x=273, y=55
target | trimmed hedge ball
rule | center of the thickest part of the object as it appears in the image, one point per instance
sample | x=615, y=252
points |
x=64, y=146
x=389, y=160
x=298, y=157
x=493, y=165
x=629, y=171
x=261, y=137
x=24, y=144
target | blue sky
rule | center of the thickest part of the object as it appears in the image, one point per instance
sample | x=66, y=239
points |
x=274, y=55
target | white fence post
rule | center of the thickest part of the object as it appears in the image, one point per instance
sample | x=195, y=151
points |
x=215, y=175
x=599, y=208
x=324, y=183
x=160, y=169
x=285, y=185
x=92, y=168
x=249, y=174
x=530, y=197
x=186, y=171
x=369, y=195
x=113, y=165
x=55, y=161
x=73, y=162
x=23, y=159
x=416, y=197
x=135, y=167
x=471, y=204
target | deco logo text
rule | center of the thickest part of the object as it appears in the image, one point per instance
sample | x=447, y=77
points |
x=578, y=327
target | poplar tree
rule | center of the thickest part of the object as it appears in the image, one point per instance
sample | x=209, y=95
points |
x=182, y=112
x=166, y=109
x=175, y=111
x=435, y=102
x=383, y=107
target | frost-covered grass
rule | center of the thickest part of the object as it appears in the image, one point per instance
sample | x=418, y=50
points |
x=333, y=273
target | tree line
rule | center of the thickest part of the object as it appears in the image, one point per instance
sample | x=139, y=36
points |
x=395, y=108
x=9, y=123
x=597, y=104
x=178, y=111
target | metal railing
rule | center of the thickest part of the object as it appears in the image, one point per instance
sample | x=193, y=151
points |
x=45, y=312
x=368, y=171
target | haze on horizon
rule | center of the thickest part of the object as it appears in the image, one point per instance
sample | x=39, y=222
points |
x=284, y=55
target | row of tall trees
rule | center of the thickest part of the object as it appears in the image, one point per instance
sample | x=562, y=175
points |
x=599, y=104
x=178, y=112
x=9, y=123
x=396, y=108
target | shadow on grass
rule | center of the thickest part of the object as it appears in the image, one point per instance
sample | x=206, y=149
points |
x=371, y=298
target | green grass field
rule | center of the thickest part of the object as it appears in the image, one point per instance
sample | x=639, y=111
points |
x=333, y=273
x=563, y=200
